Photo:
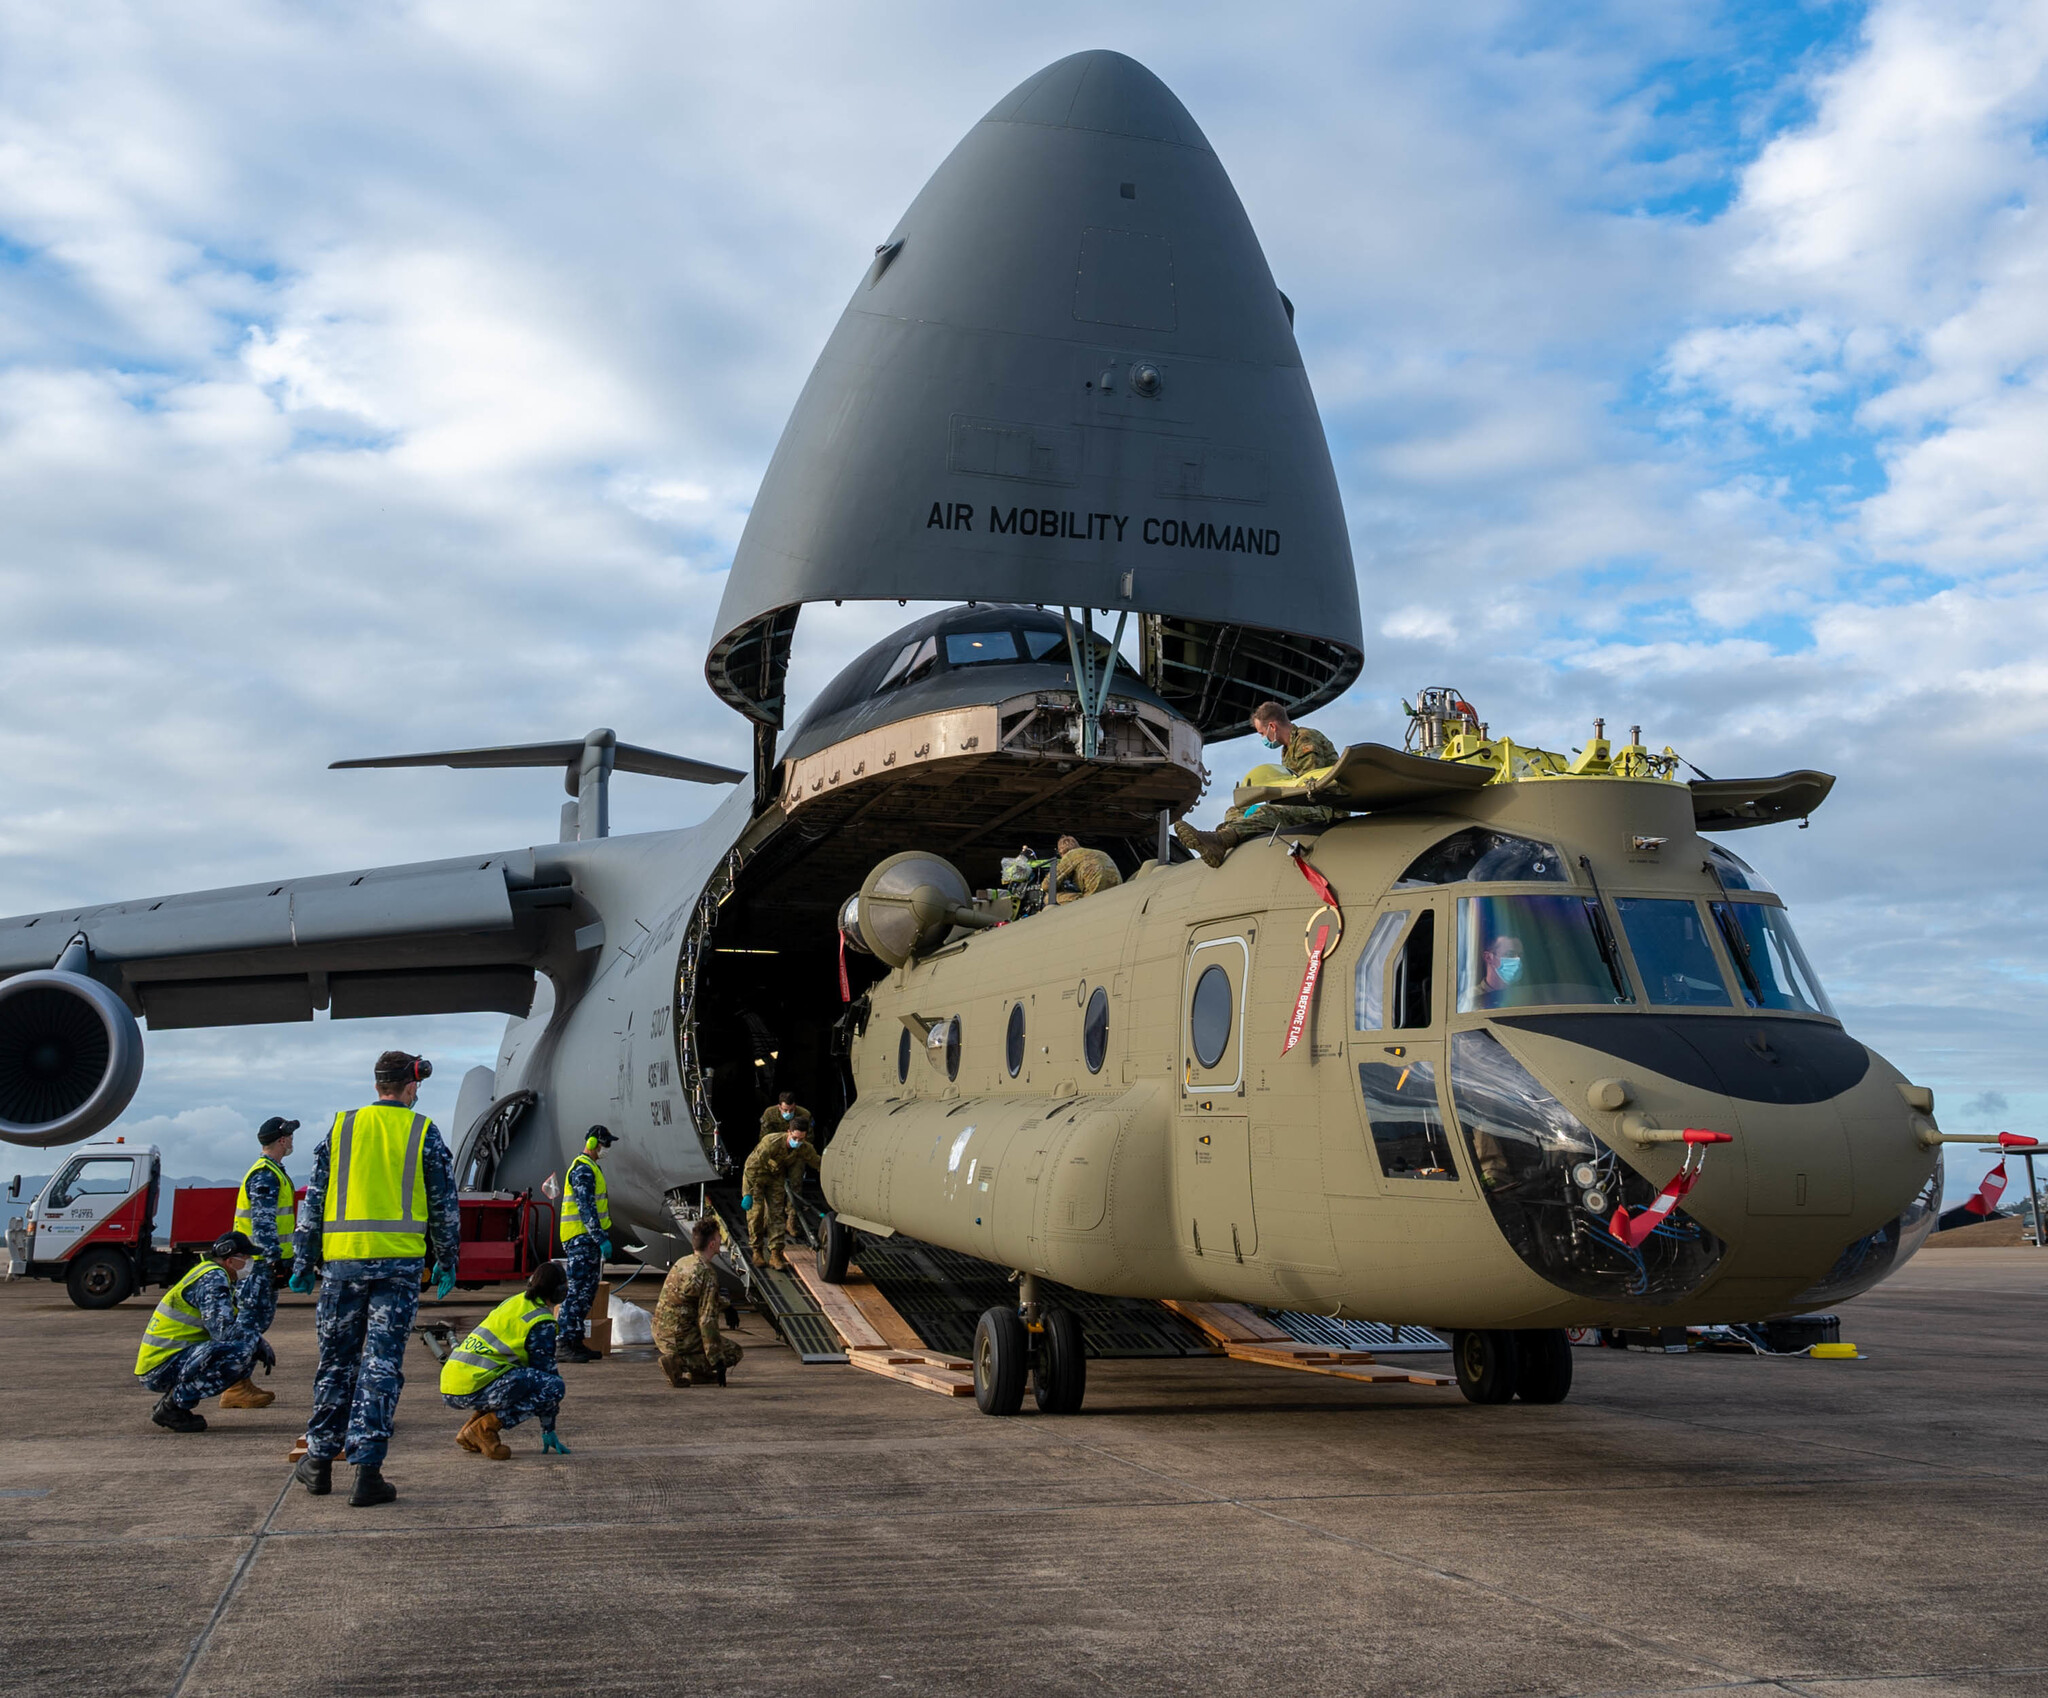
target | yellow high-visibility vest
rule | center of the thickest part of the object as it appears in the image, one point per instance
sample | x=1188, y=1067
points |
x=495, y=1346
x=176, y=1324
x=376, y=1202
x=287, y=1207
x=572, y=1213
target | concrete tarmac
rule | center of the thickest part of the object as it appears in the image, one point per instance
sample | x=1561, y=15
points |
x=1684, y=1524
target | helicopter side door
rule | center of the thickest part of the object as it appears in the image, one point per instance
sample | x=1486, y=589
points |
x=1212, y=1166
x=1396, y=1055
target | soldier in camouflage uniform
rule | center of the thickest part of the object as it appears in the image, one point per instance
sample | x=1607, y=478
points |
x=519, y=1375
x=1303, y=751
x=200, y=1340
x=782, y=1154
x=1080, y=872
x=367, y=1302
x=686, y=1335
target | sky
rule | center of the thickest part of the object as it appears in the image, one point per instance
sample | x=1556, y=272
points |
x=398, y=376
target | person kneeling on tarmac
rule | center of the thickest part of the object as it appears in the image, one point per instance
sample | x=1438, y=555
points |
x=686, y=1335
x=200, y=1342
x=505, y=1368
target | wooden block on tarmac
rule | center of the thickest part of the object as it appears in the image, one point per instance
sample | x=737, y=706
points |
x=949, y=1376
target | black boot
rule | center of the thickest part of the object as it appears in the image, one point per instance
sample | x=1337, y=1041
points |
x=168, y=1415
x=316, y=1474
x=371, y=1487
x=721, y=1373
x=578, y=1351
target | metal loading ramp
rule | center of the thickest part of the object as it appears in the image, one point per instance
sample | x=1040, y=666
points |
x=782, y=1297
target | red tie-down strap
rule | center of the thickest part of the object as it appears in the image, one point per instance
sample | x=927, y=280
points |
x=1633, y=1229
x=1326, y=935
x=845, y=988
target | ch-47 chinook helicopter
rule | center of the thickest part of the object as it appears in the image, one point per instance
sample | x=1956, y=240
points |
x=1065, y=388
x=1516, y=1051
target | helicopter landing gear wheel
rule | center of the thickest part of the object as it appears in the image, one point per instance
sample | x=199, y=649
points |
x=1488, y=1365
x=1546, y=1365
x=1002, y=1356
x=835, y=1250
x=1059, y=1380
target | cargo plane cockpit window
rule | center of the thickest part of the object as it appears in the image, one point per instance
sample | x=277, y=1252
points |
x=1536, y=951
x=1478, y=855
x=915, y=662
x=977, y=648
x=1672, y=953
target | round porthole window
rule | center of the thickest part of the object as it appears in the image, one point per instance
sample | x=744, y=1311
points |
x=1095, y=1030
x=1209, y=1016
x=1013, y=1040
x=953, y=1047
x=903, y=1056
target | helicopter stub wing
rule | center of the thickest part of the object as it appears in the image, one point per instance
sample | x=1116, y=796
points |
x=1370, y=776
x=1729, y=804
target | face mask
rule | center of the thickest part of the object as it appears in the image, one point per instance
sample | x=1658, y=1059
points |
x=789, y=1114
x=1271, y=744
x=1509, y=968
x=795, y=1140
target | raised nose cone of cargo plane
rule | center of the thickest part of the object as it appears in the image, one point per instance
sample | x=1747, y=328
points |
x=1068, y=378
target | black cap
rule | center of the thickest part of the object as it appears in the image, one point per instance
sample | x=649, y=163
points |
x=231, y=1244
x=603, y=1135
x=274, y=1128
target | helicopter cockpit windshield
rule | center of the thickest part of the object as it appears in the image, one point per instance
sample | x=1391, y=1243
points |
x=1534, y=952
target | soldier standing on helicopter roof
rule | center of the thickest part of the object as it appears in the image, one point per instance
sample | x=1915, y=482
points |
x=1303, y=751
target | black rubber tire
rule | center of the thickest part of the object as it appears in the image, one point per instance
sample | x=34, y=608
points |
x=1488, y=1365
x=1546, y=1365
x=1059, y=1378
x=100, y=1278
x=838, y=1251
x=1002, y=1358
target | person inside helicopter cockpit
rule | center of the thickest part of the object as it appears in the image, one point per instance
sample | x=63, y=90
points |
x=1503, y=970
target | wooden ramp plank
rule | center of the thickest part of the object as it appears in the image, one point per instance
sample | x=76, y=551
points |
x=1245, y=1336
x=876, y=1335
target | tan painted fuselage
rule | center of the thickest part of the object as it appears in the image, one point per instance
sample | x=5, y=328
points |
x=1258, y=1178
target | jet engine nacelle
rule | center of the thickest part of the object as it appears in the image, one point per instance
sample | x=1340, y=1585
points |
x=70, y=1057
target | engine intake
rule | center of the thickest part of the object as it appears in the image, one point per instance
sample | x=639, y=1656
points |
x=70, y=1057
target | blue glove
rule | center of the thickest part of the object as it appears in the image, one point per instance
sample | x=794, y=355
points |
x=550, y=1441
x=444, y=1284
x=607, y=1249
x=746, y=1202
x=301, y=1280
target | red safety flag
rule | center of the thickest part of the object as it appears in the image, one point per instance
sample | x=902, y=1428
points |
x=1306, y=1000
x=1989, y=1192
x=1633, y=1229
x=1316, y=881
x=845, y=988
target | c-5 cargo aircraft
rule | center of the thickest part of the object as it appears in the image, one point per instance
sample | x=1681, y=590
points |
x=1066, y=391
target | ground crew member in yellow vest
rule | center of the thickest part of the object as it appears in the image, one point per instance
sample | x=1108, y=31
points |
x=691, y=1349
x=505, y=1369
x=381, y=1200
x=782, y=1154
x=1080, y=872
x=197, y=1342
x=1302, y=751
x=266, y=1213
x=586, y=1241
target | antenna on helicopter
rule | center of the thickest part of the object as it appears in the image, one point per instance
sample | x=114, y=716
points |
x=588, y=766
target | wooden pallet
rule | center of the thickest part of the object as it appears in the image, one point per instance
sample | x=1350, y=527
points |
x=876, y=1336
x=1247, y=1337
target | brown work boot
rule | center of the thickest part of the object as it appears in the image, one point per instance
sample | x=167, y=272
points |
x=674, y=1372
x=484, y=1438
x=243, y=1394
x=471, y=1436
x=1203, y=843
x=777, y=1260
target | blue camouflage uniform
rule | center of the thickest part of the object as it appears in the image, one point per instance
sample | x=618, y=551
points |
x=365, y=1314
x=261, y=1308
x=205, y=1370
x=582, y=1256
x=536, y=1389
